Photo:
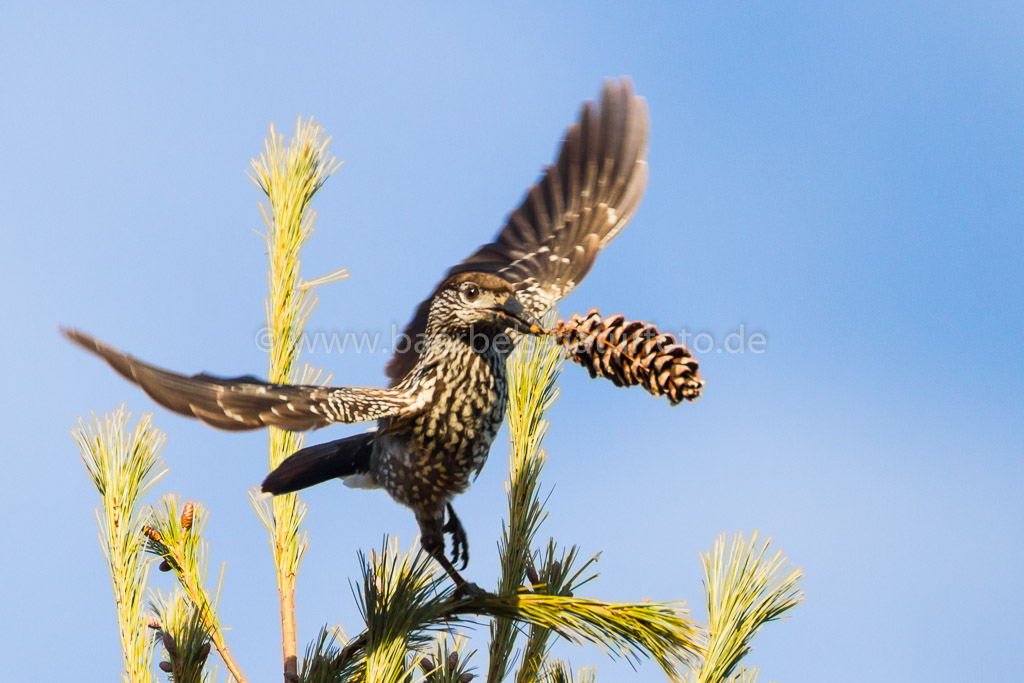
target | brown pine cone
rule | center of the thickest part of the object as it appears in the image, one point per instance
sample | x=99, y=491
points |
x=152, y=534
x=187, y=515
x=169, y=644
x=427, y=664
x=531, y=574
x=631, y=352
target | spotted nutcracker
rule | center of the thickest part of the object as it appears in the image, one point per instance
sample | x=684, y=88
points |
x=446, y=399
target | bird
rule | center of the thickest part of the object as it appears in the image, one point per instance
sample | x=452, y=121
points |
x=448, y=387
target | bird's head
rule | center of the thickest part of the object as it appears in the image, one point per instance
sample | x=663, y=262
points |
x=483, y=302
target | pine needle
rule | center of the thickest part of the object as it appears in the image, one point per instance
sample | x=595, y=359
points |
x=323, y=662
x=404, y=601
x=663, y=632
x=558, y=671
x=174, y=533
x=745, y=588
x=180, y=629
x=289, y=176
x=533, y=388
x=124, y=465
x=745, y=675
x=447, y=662
x=397, y=601
x=558, y=575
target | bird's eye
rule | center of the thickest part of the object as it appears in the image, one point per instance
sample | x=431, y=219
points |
x=471, y=292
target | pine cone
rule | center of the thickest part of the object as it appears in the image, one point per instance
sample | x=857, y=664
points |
x=188, y=513
x=168, y=642
x=427, y=664
x=631, y=352
x=152, y=534
x=531, y=574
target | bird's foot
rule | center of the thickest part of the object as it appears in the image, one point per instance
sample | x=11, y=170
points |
x=470, y=590
x=460, y=540
x=463, y=588
x=432, y=538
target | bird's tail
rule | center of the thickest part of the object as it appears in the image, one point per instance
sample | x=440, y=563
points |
x=316, y=464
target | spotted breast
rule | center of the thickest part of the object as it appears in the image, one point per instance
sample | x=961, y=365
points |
x=425, y=461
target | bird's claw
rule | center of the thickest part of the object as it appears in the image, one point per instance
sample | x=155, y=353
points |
x=460, y=540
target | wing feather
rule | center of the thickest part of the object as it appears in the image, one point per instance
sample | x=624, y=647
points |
x=579, y=205
x=245, y=403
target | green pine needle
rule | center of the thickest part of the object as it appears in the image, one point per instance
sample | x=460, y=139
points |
x=558, y=671
x=558, y=576
x=745, y=588
x=184, y=549
x=663, y=632
x=289, y=176
x=533, y=388
x=398, y=601
x=745, y=675
x=323, y=662
x=447, y=662
x=183, y=636
x=404, y=601
x=124, y=465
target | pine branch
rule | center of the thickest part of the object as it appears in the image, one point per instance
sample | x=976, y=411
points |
x=557, y=576
x=447, y=663
x=323, y=661
x=180, y=628
x=745, y=588
x=745, y=675
x=124, y=465
x=560, y=672
x=289, y=176
x=533, y=375
x=397, y=592
x=663, y=632
x=177, y=538
x=404, y=601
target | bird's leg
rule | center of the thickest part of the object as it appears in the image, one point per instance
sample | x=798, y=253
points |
x=432, y=540
x=460, y=541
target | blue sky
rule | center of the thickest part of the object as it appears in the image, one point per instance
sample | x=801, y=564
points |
x=845, y=178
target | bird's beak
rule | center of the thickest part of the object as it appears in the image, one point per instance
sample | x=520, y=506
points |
x=518, y=317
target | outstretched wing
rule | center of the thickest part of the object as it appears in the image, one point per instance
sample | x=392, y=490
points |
x=245, y=403
x=579, y=205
